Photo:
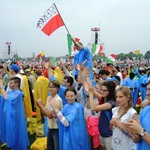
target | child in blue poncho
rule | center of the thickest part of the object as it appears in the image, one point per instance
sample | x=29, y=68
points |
x=71, y=124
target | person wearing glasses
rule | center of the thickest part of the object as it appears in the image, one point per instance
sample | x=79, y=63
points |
x=66, y=82
x=52, y=135
x=106, y=103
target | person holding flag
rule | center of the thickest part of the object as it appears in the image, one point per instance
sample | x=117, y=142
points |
x=83, y=55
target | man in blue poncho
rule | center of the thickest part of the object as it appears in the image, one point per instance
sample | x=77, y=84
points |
x=13, y=126
x=83, y=55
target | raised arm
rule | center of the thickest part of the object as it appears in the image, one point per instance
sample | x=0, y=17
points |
x=77, y=43
x=88, y=82
x=2, y=88
x=6, y=71
x=47, y=113
x=49, y=66
x=94, y=106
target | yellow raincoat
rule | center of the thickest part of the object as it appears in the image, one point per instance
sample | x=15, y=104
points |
x=41, y=92
x=58, y=74
x=27, y=98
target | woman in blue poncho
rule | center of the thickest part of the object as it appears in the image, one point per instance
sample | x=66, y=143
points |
x=72, y=129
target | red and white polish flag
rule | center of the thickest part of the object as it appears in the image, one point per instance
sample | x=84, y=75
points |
x=50, y=21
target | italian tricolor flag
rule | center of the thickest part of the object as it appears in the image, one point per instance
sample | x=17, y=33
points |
x=97, y=49
x=71, y=49
x=111, y=59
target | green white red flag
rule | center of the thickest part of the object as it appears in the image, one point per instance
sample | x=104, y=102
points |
x=71, y=49
x=111, y=59
x=97, y=49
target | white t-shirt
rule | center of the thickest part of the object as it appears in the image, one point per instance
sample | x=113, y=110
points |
x=88, y=112
x=52, y=124
x=120, y=141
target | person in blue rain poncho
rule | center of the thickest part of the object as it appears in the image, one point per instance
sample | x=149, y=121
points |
x=142, y=75
x=83, y=55
x=133, y=85
x=13, y=126
x=72, y=129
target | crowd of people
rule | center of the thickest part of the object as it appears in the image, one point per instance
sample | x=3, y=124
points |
x=89, y=104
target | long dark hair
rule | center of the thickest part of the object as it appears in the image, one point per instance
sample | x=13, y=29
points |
x=110, y=85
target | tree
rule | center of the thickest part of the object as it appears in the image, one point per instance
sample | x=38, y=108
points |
x=147, y=55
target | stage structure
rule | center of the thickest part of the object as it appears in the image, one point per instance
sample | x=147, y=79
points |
x=7, y=53
x=95, y=34
x=95, y=39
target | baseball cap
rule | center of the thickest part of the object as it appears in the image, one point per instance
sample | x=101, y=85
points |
x=14, y=67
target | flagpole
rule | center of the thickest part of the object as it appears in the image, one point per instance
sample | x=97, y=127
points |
x=62, y=19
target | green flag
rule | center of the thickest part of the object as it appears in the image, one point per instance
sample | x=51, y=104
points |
x=69, y=44
x=93, y=49
x=54, y=61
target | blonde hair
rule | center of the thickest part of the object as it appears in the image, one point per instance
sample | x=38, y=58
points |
x=126, y=91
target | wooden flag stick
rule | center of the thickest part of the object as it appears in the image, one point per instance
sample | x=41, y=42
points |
x=62, y=19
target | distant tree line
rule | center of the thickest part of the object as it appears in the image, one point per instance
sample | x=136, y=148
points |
x=121, y=56
x=130, y=55
x=133, y=56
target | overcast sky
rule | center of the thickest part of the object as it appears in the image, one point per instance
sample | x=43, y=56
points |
x=124, y=25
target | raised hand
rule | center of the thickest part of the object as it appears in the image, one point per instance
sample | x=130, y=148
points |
x=0, y=75
x=87, y=71
x=73, y=40
x=90, y=88
x=82, y=67
x=50, y=64
x=86, y=87
x=5, y=67
x=54, y=104
x=1, y=82
x=45, y=65
x=77, y=67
